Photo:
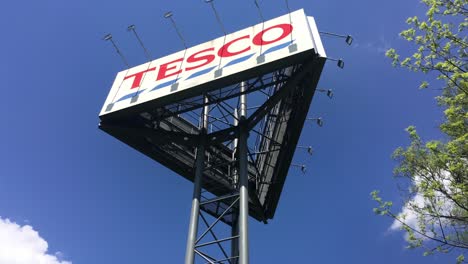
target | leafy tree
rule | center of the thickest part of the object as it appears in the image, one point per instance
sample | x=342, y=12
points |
x=435, y=214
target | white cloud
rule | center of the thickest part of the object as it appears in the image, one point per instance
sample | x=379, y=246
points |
x=380, y=46
x=23, y=245
x=411, y=218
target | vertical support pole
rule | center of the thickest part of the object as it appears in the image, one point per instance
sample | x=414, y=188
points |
x=235, y=150
x=243, y=181
x=199, y=166
x=235, y=241
x=235, y=224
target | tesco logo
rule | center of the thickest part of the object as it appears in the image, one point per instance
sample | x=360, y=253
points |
x=196, y=60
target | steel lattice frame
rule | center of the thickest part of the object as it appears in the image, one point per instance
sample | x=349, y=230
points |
x=203, y=131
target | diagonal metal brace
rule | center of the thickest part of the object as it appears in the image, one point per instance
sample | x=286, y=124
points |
x=217, y=220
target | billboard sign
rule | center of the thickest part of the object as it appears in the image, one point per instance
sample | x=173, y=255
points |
x=255, y=48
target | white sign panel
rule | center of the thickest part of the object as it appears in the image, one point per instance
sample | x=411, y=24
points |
x=223, y=57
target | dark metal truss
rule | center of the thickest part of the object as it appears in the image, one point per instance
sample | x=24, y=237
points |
x=170, y=135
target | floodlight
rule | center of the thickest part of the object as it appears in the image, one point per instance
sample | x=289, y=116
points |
x=329, y=92
x=319, y=121
x=107, y=37
x=349, y=40
x=340, y=63
x=131, y=27
x=300, y=166
x=309, y=149
x=303, y=169
x=168, y=14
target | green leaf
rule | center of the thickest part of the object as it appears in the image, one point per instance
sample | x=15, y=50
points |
x=424, y=85
x=436, y=170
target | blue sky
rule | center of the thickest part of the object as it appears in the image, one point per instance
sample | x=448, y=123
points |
x=95, y=200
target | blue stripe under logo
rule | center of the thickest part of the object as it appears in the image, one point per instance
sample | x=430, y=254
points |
x=165, y=84
x=205, y=71
x=128, y=96
x=238, y=60
x=278, y=47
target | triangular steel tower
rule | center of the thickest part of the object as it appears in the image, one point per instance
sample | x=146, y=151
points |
x=234, y=136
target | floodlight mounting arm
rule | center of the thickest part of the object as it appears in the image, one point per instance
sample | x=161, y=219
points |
x=328, y=91
x=319, y=120
x=108, y=37
x=339, y=62
x=169, y=15
x=132, y=28
x=309, y=149
x=303, y=167
x=259, y=10
x=218, y=18
x=348, y=38
x=287, y=6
